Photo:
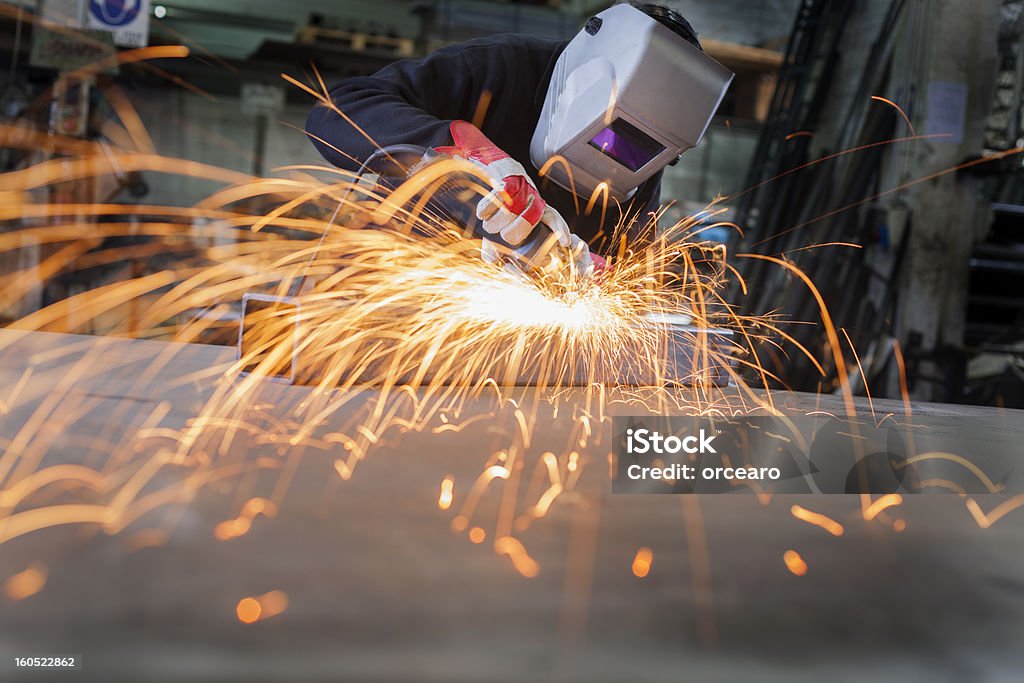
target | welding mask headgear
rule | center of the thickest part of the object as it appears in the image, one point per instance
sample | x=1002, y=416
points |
x=627, y=97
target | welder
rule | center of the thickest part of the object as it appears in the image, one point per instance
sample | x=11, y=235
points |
x=557, y=123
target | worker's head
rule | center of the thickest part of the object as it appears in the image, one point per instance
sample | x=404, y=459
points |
x=629, y=94
x=673, y=20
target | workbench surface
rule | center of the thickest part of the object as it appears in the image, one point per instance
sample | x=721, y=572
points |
x=380, y=588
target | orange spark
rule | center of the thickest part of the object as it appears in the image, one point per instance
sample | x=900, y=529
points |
x=983, y=478
x=145, y=538
x=381, y=308
x=481, y=108
x=986, y=520
x=897, y=108
x=887, y=501
x=26, y=583
x=252, y=609
x=794, y=562
x=521, y=560
x=343, y=470
x=444, y=501
x=898, y=188
x=817, y=519
x=233, y=528
x=642, y=562
x=248, y=610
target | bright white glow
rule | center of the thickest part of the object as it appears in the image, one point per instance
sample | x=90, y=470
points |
x=519, y=304
x=159, y=11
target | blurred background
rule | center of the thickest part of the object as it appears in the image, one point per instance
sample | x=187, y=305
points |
x=937, y=283
x=872, y=144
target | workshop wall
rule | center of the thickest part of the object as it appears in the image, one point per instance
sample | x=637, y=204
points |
x=216, y=132
x=189, y=126
x=761, y=24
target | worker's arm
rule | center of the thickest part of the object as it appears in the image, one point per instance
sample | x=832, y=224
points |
x=408, y=102
x=424, y=103
x=651, y=192
x=514, y=207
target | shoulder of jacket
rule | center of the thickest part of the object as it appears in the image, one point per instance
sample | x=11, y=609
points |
x=512, y=40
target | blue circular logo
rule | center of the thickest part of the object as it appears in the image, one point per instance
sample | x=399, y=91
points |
x=115, y=12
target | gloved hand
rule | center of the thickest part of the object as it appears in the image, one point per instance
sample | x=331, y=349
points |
x=513, y=207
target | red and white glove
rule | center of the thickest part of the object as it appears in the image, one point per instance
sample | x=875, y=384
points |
x=513, y=207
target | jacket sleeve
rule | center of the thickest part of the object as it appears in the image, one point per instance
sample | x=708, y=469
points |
x=408, y=102
x=648, y=200
x=654, y=202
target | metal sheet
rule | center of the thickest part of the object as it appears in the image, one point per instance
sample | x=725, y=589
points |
x=381, y=589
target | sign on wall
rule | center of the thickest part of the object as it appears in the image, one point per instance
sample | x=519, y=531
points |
x=60, y=42
x=947, y=111
x=261, y=99
x=127, y=20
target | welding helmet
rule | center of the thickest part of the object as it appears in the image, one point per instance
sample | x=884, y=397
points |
x=627, y=97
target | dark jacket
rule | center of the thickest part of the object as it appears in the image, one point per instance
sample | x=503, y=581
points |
x=415, y=101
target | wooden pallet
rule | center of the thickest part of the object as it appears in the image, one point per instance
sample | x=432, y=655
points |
x=358, y=42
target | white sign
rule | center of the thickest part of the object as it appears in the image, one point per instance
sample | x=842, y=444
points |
x=947, y=111
x=259, y=99
x=53, y=47
x=127, y=20
x=66, y=13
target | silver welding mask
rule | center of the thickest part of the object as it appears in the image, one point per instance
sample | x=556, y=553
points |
x=627, y=97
